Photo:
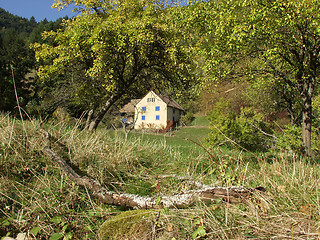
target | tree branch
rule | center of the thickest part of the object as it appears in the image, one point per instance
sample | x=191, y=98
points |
x=206, y=194
x=263, y=132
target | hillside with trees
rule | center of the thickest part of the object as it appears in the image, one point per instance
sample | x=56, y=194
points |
x=18, y=63
x=21, y=25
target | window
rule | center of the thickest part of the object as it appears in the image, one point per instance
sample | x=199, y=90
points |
x=144, y=109
x=157, y=117
x=143, y=117
x=174, y=110
x=157, y=108
x=151, y=99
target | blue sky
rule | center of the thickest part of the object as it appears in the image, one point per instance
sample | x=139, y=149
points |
x=40, y=9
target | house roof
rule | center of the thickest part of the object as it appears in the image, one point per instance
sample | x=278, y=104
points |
x=170, y=102
x=130, y=107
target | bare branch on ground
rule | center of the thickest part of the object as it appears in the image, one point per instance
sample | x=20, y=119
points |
x=207, y=194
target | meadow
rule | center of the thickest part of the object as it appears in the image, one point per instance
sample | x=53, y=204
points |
x=36, y=197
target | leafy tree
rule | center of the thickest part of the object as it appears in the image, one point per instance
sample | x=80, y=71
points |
x=113, y=48
x=266, y=38
x=44, y=25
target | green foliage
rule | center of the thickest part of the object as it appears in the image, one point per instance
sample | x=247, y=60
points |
x=248, y=130
x=19, y=24
x=14, y=56
x=256, y=40
x=316, y=107
x=16, y=33
x=222, y=120
x=187, y=118
x=272, y=96
x=290, y=139
x=113, y=49
x=200, y=232
x=255, y=130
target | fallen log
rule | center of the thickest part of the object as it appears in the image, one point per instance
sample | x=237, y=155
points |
x=207, y=194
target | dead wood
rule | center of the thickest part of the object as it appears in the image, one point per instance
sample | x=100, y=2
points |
x=206, y=194
x=190, y=180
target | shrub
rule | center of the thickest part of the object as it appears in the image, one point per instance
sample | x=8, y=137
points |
x=222, y=121
x=290, y=139
x=255, y=132
x=248, y=129
x=187, y=118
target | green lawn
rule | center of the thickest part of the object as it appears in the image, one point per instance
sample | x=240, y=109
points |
x=200, y=121
x=185, y=139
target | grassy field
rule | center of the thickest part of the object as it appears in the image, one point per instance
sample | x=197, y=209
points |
x=185, y=139
x=36, y=197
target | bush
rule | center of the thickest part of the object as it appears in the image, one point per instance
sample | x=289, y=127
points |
x=187, y=118
x=290, y=139
x=248, y=129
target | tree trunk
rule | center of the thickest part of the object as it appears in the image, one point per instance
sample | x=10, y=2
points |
x=307, y=118
x=89, y=117
x=94, y=124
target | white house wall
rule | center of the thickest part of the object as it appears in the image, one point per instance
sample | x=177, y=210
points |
x=155, y=114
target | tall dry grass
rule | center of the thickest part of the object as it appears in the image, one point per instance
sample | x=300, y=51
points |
x=36, y=197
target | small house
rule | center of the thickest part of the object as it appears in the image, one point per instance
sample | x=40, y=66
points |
x=157, y=111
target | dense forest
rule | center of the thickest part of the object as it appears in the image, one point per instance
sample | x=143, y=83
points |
x=18, y=63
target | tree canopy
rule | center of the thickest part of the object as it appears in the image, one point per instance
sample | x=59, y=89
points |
x=257, y=39
x=113, y=48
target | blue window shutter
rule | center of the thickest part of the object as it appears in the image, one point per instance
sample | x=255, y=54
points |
x=157, y=117
x=143, y=118
x=157, y=108
x=144, y=109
